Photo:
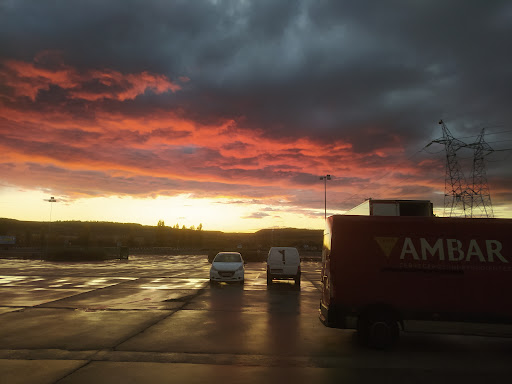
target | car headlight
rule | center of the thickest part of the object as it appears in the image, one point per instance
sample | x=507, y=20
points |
x=213, y=269
x=241, y=268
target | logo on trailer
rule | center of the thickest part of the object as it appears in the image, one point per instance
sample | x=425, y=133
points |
x=444, y=249
x=386, y=244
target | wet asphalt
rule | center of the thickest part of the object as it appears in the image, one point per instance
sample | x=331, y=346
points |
x=156, y=319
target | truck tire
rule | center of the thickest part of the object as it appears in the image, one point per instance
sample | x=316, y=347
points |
x=379, y=331
x=297, y=280
x=269, y=279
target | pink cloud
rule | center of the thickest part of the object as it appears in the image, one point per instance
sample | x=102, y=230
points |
x=28, y=79
x=157, y=150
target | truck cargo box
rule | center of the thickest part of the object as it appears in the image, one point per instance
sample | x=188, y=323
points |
x=383, y=273
x=393, y=207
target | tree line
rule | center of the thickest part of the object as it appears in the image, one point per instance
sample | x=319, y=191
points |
x=108, y=234
x=161, y=223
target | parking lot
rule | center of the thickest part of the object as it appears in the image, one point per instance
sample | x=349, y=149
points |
x=156, y=319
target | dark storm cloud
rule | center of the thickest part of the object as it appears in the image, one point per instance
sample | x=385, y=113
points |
x=376, y=75
x=333, y=69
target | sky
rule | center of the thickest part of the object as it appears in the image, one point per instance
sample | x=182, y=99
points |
x=226, y=113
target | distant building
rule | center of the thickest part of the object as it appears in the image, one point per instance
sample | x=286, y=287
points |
x=7, y=240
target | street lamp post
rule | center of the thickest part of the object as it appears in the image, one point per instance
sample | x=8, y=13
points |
x=51, y=201
x=325, y=178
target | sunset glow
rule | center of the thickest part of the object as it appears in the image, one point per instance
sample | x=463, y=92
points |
x=194, y=139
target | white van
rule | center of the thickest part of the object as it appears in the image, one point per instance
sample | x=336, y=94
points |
x=283, y=263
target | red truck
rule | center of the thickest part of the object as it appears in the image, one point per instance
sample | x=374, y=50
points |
x=383, y=274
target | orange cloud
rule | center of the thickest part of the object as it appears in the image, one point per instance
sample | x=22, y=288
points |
x=99, y=132
x=28, y=79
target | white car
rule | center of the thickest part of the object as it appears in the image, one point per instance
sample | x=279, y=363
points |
x=283, y=263
x=227, y=266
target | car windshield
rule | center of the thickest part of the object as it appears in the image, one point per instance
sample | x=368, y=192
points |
x=228, y=258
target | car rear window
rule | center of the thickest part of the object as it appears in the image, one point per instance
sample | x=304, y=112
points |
x=228, y=258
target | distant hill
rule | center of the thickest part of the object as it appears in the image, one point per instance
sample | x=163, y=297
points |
x=107, y=234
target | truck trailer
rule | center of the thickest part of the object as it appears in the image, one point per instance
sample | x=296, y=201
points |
x=393, y=207
x=386, y=274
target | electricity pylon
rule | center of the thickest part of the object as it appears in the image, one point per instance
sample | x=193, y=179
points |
x=481, y=205
x=457, y=200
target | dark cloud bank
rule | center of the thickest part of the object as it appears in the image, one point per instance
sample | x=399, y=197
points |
x=376, y=74
x=327, y=68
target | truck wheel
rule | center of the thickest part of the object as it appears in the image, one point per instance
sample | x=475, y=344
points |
x=269, y=279
x=297, y=280
x=378, y=331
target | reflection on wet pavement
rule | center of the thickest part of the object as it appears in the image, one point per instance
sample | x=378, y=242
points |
x=49, y=282
x=231, y=317
x=128, y=318
x=142, y=282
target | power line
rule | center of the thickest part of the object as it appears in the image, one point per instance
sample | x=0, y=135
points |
x=480, y=193
x=499, y=141
x=456, y=198
x=475, y=196
x=405, y=161
x=497, y=133
x=487, y=133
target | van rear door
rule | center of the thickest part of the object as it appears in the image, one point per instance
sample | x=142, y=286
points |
x=292, y=261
